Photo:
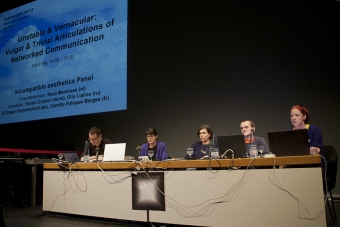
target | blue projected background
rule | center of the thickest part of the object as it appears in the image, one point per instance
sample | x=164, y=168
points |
x=63, y=58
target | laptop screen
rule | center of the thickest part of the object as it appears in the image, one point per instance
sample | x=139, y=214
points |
x=114, y=152
x=233, y=142
x=71, y=156
x=289, y=143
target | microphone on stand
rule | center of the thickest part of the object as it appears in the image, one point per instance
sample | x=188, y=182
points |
x=209, y=145
x=212, y=144
x=252, y=134
x=138, y=149
x=213, y=140
x=97, y=153
x=250, y=138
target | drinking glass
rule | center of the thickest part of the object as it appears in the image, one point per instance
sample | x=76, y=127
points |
x=60, y=156
x=190, y=151
x=86, y=158
x=253, y=153
x=150, y=154
x=260, y=150
x=215, y=153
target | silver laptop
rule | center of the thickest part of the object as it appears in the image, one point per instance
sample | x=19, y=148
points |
x=114, y=152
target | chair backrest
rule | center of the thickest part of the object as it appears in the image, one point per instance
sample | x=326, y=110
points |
x=331, y=156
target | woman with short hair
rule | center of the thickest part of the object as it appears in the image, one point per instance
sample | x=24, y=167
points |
x=159, y=148
x=201, y=148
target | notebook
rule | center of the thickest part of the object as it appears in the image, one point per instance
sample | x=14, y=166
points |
x=289, y=143
x=233, y=142
x=114, y=152
x=71, y=157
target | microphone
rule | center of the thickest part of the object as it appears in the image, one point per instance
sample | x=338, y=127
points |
x=213, y=138
x=97, y=153
x=209, y=145
x=138, y=149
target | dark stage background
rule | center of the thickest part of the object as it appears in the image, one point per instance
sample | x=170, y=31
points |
x=194, y=62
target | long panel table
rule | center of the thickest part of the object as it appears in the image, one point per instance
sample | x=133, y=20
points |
x=211, y=196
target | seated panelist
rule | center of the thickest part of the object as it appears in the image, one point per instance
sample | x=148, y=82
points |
x=201, y=147
x=247, y=130
x=96, y=142
x=299, y=117
x=159, y=148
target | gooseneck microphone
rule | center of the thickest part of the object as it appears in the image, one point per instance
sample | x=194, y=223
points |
x=138, y=149
x=97, y=153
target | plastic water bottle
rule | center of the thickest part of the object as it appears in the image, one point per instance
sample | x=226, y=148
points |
x=86, y=154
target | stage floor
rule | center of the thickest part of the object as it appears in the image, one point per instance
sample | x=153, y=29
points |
x=35, y=216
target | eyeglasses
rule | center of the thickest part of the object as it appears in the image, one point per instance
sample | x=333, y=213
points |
x=150, y=136
x=93, y=139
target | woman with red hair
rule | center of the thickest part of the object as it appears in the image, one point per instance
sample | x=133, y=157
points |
x=299, y=117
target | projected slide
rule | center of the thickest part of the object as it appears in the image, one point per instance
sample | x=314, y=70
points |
x=63, y=58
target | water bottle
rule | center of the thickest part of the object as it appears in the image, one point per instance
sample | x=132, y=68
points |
x=86, y=154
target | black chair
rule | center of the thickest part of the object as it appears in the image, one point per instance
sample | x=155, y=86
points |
x=332, y=167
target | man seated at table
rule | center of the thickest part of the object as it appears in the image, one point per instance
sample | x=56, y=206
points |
x=248, y=129
x=97, y=142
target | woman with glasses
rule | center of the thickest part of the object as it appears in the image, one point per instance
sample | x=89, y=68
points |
x=159, y=148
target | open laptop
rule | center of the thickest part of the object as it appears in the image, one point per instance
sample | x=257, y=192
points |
x=71, y=156
x=233, y=142
x=114, y=152
x=289, y=143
